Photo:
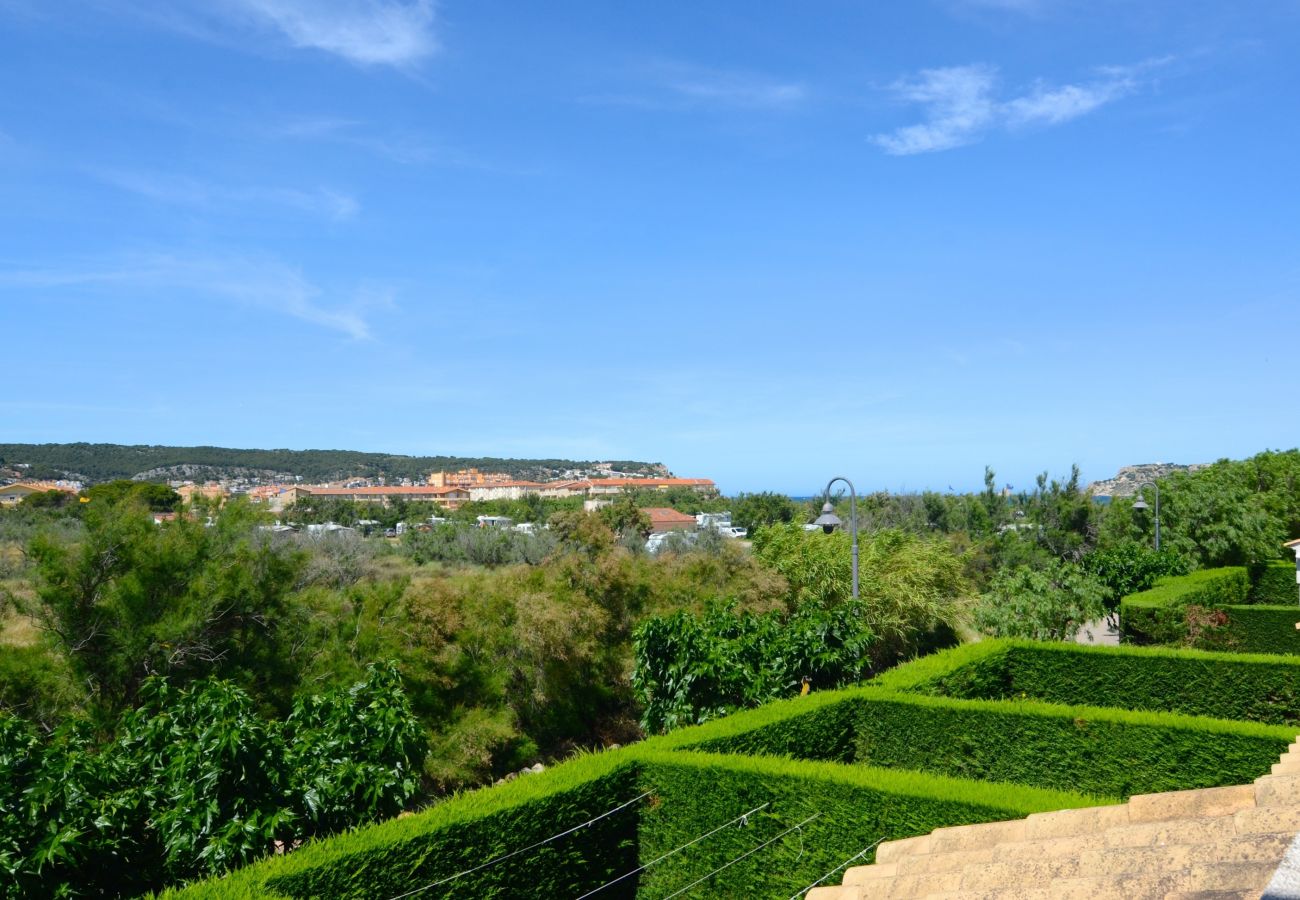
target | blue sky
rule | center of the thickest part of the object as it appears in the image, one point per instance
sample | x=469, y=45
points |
x=762, y=242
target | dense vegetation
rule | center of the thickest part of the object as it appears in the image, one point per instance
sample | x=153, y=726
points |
x=769, y=801
x=104, y=462
x=510, y=647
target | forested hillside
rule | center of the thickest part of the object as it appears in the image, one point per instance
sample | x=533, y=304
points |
x=104, y=462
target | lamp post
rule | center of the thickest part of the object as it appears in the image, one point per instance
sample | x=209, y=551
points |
x=1142, y=504
x=828, y=520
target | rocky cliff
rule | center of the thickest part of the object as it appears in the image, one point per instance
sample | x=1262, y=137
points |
x=1125, y=484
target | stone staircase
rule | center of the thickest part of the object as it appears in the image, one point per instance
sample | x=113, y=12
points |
x=1213, y=844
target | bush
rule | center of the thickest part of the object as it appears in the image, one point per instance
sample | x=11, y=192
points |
x=689, y=795
x=1264, y=629
x=1248, y=688
x=1047, y=604
x=911, y=587
x=690, y=668
x=696, y=783
x=196, y=783
x=1157, y=616
x=1274, y=584
x=853, y=807
x=1104, y=752
x=38, y=686
x=1129, y=567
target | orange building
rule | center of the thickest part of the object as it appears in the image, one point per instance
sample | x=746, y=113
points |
x=468, y=478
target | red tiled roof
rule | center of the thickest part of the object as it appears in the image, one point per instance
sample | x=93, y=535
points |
x=397, y=489
x=663, y=516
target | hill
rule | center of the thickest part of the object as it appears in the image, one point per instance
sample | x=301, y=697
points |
x=1126, y=482
x=104, y=462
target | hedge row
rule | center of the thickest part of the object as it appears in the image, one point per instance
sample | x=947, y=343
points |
x=1264, y=629
x=1251, y=688
x=1105, y=752
x=409, y=852
x=1109, y=753
x=1157, y=616
x=1274, y=584
x=690, y=794
x=932, y=745
x=854, y=806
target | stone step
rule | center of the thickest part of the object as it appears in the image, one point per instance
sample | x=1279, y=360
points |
x=1277, y=790
x=1268, y=819
x=1205, y=802
x=866, y=874
x=831, y=892
x=890, y=851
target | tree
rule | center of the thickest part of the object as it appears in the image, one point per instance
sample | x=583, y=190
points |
x=195, y=782
x=754, y=511
x=156, y=497
x=1047, y=604
x=133, y=599
x=625, y=518
x=691, y=668
x=911, y=587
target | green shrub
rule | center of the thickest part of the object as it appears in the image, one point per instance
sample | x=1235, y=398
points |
x=1264, y=629
x=1156, y=616
x=820, y=756
x=37, y=685
x=1107, y=752
x=853, y=806
x=1047, y=603
x=1248, y=688
x=692, y=668
x=566, y=867
x=194, y=783
x=689, y=794
x=1274, y=584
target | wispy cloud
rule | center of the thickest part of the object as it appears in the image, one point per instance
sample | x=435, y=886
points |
x=181, y=190
x=398, y=148
x=961, y=104
x=367, y=32
x=398, y=33
x=261, y=284
x=731, y=88
x=677, y=85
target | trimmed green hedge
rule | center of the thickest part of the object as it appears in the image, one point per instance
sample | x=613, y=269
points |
x=1106, y=752
x=1156, y=616
x=1264, y=629
x=822, y=754
x=1251, y=688
x=854, y=805
x=1262, y=605
x=405, y=853
x=1274, y=584
x=690, y=795
x=1110, y=753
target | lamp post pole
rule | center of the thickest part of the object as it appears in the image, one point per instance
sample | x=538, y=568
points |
x=828, y=520
x=1141, y=504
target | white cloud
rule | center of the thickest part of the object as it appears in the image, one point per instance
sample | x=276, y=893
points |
x=181, y=190
x=367, y=32
x=261, y=284
x=397, y=33
x=961, y=105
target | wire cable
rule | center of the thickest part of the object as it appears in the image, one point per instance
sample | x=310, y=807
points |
x=743, y=855
x=742, y=818
x=858, y=855
x=503, y=857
